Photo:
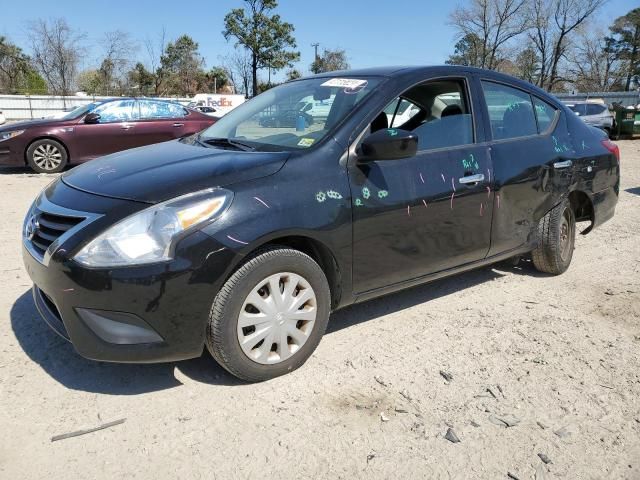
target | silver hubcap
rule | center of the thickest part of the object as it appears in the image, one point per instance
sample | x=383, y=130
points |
x=277, y=318
x=47, y=156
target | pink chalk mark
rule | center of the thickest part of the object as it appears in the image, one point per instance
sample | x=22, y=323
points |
x=498, y=199
x=68, y=290
x=442, y=175
x=453, y=184
x=262, y=202
x=481, y=209
x=452, y=195
x=236, y=240
x=488, y=192
x=408, y=210
x=421, y=177
x=425, y=203
x=489, y=174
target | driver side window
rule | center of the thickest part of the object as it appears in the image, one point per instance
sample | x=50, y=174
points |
x=438, y=112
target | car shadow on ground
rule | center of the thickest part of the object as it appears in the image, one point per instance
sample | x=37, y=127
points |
x=58, y=359
x=634, y=190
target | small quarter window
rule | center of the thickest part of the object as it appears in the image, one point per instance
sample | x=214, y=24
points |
x=510, y=111
x=545, y=114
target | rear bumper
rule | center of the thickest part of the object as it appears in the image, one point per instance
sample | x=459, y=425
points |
x=604, y=205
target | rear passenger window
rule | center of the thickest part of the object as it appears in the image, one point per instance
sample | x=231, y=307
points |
x=510, y=111
x=593, y=109
x=545, y=113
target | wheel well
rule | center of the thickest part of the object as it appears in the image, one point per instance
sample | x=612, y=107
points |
x=582, y=208
x=321, y=254
x=46, y=137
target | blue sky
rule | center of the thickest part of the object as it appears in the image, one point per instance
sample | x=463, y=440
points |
x=372, y=33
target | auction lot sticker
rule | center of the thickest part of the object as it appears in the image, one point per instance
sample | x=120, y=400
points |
x=344, y=83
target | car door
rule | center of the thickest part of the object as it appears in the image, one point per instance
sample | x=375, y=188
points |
x=532, y=156
x=159, y=122
x=420, y=215
x=112, y=132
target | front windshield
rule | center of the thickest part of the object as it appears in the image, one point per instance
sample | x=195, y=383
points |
x=292, y=116
x=79, y=111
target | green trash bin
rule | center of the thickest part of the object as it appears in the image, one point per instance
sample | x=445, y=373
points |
x=627, y=122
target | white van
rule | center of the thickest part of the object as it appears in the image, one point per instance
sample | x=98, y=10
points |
x=315, y=108
x=221, y=102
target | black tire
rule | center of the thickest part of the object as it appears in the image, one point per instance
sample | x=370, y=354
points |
x=41, y=163
x=222, y=334
x=556, y=240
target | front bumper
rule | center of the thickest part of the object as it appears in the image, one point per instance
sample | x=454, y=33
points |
x=140, y=314
x=10, y=156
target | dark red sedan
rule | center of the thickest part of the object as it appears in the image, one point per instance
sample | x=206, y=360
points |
x=94, y=130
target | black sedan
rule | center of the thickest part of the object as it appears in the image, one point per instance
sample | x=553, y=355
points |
x=243, y=239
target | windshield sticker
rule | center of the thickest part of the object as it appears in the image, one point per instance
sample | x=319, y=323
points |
x=346, y=83
x=306, y=142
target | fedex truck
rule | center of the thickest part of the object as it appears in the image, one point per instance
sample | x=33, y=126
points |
x=221, y=102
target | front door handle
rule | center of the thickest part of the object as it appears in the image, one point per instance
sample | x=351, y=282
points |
x=178, y=124
x=126, y=126
x=472, y=179
x=564, y=164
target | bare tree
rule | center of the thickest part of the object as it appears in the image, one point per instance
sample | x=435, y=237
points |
x=595, y=63
x=494, y=23
x=118, y=47
x=57, y=50
x=554, y=22
x=238, y=68
x=155, y=49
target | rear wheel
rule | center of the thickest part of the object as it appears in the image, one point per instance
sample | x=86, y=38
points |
x=47, y=156
x=270, y=315
x=556, y=240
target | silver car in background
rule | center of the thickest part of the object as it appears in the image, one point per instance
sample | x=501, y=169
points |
x=595, y=114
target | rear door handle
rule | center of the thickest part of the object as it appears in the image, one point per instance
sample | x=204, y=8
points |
x=564, y=164
x=472, y=179
x=178, y=124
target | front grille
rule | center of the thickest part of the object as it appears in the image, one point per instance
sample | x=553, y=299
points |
x=48, y=227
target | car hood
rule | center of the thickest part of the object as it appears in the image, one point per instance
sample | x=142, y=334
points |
x=166, y=170
x=28, y=124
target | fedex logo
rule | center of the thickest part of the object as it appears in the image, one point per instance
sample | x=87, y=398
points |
x=222, y=102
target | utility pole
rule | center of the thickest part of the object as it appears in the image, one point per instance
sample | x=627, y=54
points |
x=315, y=46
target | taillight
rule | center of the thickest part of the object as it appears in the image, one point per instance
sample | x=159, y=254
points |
x=612, y=147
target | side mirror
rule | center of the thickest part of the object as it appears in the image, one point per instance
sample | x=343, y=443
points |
x=92, y=118
x=388, y=144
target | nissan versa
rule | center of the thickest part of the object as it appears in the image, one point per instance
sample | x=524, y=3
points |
x=245, y=237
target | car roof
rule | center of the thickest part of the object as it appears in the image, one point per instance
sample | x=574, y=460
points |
x=427, y=70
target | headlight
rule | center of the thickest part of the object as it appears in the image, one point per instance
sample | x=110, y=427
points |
x=147, y=236
x=7, y=135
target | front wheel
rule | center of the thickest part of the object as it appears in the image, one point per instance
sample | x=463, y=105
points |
x=270, y=315
x=556, y=240
x=47, y=156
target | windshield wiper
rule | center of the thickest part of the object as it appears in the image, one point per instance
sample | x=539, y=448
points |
x=228, y=142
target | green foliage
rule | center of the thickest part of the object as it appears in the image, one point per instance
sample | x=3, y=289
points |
x=181, y=63
x=263, y=34
x=142, y=80
x=467, y=51
x=329, y=61
x=626, y=40
x=16, y=72
x=294, y=74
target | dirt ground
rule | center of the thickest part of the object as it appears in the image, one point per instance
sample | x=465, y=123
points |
x=540, y=365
